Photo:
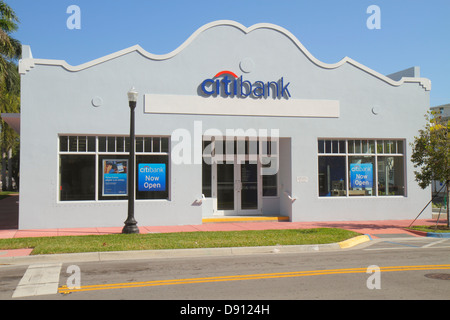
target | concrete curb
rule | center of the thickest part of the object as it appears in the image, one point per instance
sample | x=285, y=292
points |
x=417, y=232
x=438, y=234
x=430, y=234
x=179, y=253
x=354, y=241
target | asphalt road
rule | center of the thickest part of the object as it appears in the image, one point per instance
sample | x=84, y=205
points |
x=386, y=269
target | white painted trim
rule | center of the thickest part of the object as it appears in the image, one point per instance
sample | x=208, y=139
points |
x=27, y=64
x=179, y=104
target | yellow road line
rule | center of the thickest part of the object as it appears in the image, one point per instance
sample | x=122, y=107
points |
x=65, y=289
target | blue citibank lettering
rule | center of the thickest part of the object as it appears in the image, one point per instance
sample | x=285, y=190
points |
x=229, y=84
x=152, y=177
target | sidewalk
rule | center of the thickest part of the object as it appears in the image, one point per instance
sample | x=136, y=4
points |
x=375, y=229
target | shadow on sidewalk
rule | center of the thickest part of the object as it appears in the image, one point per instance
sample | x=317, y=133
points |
x=377, y=226
x=9, y=212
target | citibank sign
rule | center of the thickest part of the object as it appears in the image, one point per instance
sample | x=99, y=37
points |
x=227, y=83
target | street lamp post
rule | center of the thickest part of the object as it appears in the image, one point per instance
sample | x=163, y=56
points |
x=131, y=223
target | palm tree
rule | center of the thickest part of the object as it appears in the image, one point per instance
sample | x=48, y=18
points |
x=10, y=48
x=10, y=52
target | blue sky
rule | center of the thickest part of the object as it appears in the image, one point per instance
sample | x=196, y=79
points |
x=413, y=32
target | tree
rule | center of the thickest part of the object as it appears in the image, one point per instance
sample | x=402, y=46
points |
x=10, y=52
x=10, y=48
x=431, y=153
x=10, y=103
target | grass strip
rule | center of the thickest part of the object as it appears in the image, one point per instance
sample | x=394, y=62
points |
x=433, y=228
x=178, y=240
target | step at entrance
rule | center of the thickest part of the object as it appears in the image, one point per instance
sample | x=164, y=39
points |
x=217, y=219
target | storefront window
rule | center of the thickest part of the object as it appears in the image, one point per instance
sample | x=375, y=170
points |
x=361, y=167
x=87, y=161
x=332, y=146
x=112, y=177
x=77, y=177
x=361, y=175
x=206, y=180
x=269, y=152
x=207, y=169
x=269, y=183
x=332, y=180
x=390, y=176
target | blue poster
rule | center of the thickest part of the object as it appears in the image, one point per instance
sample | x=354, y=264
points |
x=361, y=175
x=115, y=177
x=152, y=177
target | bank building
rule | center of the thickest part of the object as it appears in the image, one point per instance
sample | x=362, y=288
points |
x=236, y=122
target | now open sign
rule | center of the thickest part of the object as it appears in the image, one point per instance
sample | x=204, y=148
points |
x=152, y=177
x=361, y=175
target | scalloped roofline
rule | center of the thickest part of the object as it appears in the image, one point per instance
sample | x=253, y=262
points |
x=29, y=62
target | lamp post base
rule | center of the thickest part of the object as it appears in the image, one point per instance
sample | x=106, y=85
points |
x=130, y=227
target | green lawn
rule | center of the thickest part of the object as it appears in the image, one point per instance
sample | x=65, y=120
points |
x=179, y=240
x=440, y=228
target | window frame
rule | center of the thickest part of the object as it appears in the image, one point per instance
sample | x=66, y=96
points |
x=63, y=158
x=397, y=148
x=266, y=149
x=105, y=153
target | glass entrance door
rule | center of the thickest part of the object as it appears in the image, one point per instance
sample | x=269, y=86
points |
x=238, y=188
x=248, y=186
x=225, y=187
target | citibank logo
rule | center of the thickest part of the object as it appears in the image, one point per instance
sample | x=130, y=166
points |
x=227, y=83
x=148, y=169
